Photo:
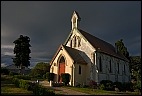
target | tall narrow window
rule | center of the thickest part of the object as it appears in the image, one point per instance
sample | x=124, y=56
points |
x=110, y=70
x=100, y=64
x=79, y=69
x=74, y=41
x=118, y=68
x=70, y=43
x=124, y=69
x=79, y=40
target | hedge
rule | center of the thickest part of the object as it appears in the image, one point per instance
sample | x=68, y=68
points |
x=36, y=88
x=25, y=77
x=50, y=76
x=39, y=90
x=106, y=84
x=65, y=78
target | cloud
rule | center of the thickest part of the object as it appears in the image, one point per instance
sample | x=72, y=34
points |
x=48, y=24
x=7, y=46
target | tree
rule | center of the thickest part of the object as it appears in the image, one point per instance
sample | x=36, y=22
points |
x=135, y=66
x=121, y=48
x=40, y=69
x=22, y=51
x=65, y=78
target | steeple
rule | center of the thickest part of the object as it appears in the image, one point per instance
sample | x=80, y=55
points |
x=75, y=20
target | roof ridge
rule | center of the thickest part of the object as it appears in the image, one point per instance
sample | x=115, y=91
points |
x=95, y=37
x=103, y=46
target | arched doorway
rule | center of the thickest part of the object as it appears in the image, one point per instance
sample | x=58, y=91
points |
x=61, y=68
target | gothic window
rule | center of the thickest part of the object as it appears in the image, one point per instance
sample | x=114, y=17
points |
x=118, y=68
x=124, y=69
x=62, y=60
x=79, y=69
x=70, y=43
x=79, y=40
x=100, y=65
x=74, y=41
x=110, y=70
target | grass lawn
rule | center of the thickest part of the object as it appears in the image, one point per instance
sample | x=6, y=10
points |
x=7, y=88
x=101, y=92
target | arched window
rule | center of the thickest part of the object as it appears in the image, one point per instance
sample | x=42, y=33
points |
x=118, y=68
x=100, y=65
x=71, y=43
x=79, y=40
x=110, y=70
x=124, y=69
x=79, y=69
x=74, y=41
x=62, y=60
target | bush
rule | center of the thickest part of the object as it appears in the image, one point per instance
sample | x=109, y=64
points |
x=50, y=76
x=39, y=90
x=4, y=71
x=16, y=82
x=102, y=87
x=127, y=86
x=13, y=73
x=137, y=86
x=31, y=87
x=25, y=77
x=93, y=84
x=107, y=84
x=24, y=84
x=78, y=85
x=36, y=88
x=57, y=84
x=117, y=85
x=65, y=78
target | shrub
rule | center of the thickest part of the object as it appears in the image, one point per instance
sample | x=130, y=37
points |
x=31, y=87
x=117, y=85
x=102, y=87
x=107, y=84
x=93, y=84
x=137, y=86
x=36, y=88
x=50, y=76
x=39, y=90
x=78, y=85
x=13, y=73
x=65, y=78
x=25, y=77
x=24, y=84
x=127, y=86
x=16, y=82
x=57, y=84
x=4, y=71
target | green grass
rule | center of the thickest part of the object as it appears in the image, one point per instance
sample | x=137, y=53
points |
x=101, y=92
x=7, y=88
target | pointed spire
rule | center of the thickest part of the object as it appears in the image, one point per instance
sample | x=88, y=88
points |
x=75, y=20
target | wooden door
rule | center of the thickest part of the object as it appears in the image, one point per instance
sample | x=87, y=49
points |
x=61, y=68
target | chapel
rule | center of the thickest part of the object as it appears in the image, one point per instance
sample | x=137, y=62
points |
x=86, y=57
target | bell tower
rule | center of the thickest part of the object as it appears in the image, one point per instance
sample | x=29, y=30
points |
x=75, y=20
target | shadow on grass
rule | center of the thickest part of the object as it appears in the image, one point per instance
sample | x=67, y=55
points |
x=17, y=94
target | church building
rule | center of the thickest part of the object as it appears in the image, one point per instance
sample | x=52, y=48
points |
x=86, y=57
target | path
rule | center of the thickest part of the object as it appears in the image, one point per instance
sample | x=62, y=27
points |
x=61, y=90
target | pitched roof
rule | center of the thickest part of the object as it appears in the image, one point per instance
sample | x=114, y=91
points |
x=75, y=55
x=102, y=45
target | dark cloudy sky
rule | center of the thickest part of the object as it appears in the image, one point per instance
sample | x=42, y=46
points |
x=48, y=23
